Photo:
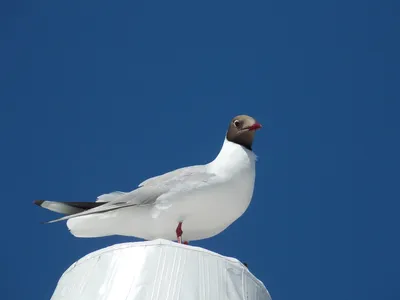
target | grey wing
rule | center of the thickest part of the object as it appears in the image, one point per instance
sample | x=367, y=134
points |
x=147, y=194
x=187, y=180
x=173, y=175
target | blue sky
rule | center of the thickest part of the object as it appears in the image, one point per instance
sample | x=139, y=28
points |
x=97, y=96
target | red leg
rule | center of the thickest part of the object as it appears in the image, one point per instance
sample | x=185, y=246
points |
x=179, y=233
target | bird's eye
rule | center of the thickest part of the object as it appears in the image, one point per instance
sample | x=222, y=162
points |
x=236, y=123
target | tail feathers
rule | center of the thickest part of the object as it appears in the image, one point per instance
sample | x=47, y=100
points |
x=67, y=208
x=77, y=209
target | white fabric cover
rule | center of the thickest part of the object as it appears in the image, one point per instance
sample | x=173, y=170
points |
x=158, y=270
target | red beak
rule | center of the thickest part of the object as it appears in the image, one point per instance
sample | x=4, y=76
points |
x=255, y=126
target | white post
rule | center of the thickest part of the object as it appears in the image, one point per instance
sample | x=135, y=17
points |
x=158, y=270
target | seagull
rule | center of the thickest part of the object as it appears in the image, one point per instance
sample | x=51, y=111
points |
x=203, y=200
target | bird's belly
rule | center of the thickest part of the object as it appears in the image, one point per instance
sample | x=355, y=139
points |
x=207, y=213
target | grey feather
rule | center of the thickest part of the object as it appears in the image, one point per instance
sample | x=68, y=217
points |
x=173, y=175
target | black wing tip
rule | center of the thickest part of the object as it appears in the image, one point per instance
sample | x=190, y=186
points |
x=38, y=202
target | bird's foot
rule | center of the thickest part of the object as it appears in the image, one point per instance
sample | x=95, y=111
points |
x=179, y=233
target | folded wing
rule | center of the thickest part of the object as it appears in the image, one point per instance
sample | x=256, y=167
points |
x=148, y=192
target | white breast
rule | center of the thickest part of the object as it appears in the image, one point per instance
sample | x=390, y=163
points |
x=235, y=165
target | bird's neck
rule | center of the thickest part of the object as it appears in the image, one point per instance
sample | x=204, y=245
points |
x=233, y=157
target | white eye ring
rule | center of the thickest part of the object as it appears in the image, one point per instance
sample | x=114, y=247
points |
x=236, y=123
